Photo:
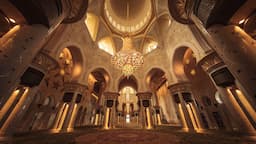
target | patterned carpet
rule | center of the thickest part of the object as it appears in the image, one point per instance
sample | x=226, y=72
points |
x=163, y=135
x=127, y=137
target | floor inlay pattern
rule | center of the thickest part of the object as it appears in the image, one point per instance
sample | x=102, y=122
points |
x=127, y=137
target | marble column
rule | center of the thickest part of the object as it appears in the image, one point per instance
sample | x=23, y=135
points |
x=145, y=115
x=20, y=45
x=41, y=63
x=19, y=50
x=68, y=111
x=110, y=109
x=237, y=49
x=157, y=120
x=98, y=115
x=175, y=91
x=16, y=110
x=186, y=106
x=157, y=110
x=234, y=115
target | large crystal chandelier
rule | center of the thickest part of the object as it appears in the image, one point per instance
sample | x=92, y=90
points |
x=127, y=59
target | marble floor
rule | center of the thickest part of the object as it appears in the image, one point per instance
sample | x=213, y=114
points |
x=129, y=136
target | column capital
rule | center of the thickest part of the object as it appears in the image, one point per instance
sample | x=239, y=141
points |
x=75, y=87
x=180, y=87
x=144, y=95
x=211, y=62
x=111, y=95
x=44, y=62
x=157, y=107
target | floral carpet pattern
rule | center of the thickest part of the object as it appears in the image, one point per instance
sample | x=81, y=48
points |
x=127, y=137
x=160, y=135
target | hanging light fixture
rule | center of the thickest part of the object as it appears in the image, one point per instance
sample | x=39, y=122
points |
x=127, y=59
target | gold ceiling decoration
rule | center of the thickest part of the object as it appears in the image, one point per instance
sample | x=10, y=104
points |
x=127, y=59
x=128, y=16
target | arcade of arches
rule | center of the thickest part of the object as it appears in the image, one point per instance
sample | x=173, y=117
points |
x=197, y=83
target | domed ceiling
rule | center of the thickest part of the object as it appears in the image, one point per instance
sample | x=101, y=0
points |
x=128, y=16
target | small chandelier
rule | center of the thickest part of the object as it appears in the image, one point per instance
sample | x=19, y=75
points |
x=127, y=59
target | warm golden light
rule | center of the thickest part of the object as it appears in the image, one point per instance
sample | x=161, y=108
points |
x=126, y=98
x=12, y=20
x=60, y=113
x=77, y=70
x=53, y=131
x=195, y=115
x=107, y=119
x=246, y=104
x=179, y=69
x=73, y=116
x=191, y=115
x=185, y=126
x=10, y=33
x=150, y=45
x=15, y=110
x=127, y=119
x=127, y=59
x=91, y=78
x=96, y=97
x=96, y=119
x=242, y=21
x=130, y=23
x=61, y=55
x=193, y=72
x=187, y=61
x=148, y=118
x=106, y=44
x=91, y=81
x=158, y=119
x=9, y=103
x=63, y=117
x=92, y=24
x=67, y=61
x=62, y=72
x=67, y=55
x=239, y=110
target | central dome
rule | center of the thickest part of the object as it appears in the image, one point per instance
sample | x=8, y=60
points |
x=130, y=8
x=128, y=16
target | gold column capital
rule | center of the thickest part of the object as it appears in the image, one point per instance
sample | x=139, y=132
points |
x=75, y=87
x=211, y=62
x=111, y=95
x=144, y=95
x=180, y=87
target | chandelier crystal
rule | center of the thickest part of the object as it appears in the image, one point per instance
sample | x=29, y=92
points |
x=127, y=59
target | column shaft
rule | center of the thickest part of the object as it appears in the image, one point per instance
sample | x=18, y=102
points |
x=237, y=50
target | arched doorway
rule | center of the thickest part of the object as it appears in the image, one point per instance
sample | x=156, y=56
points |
x=128, y=104
x=178, y=63
x=70, y=61
x=164, y=110
x=186, y=69
x=98, y=81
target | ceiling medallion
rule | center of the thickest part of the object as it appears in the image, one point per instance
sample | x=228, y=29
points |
x=127, y=59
